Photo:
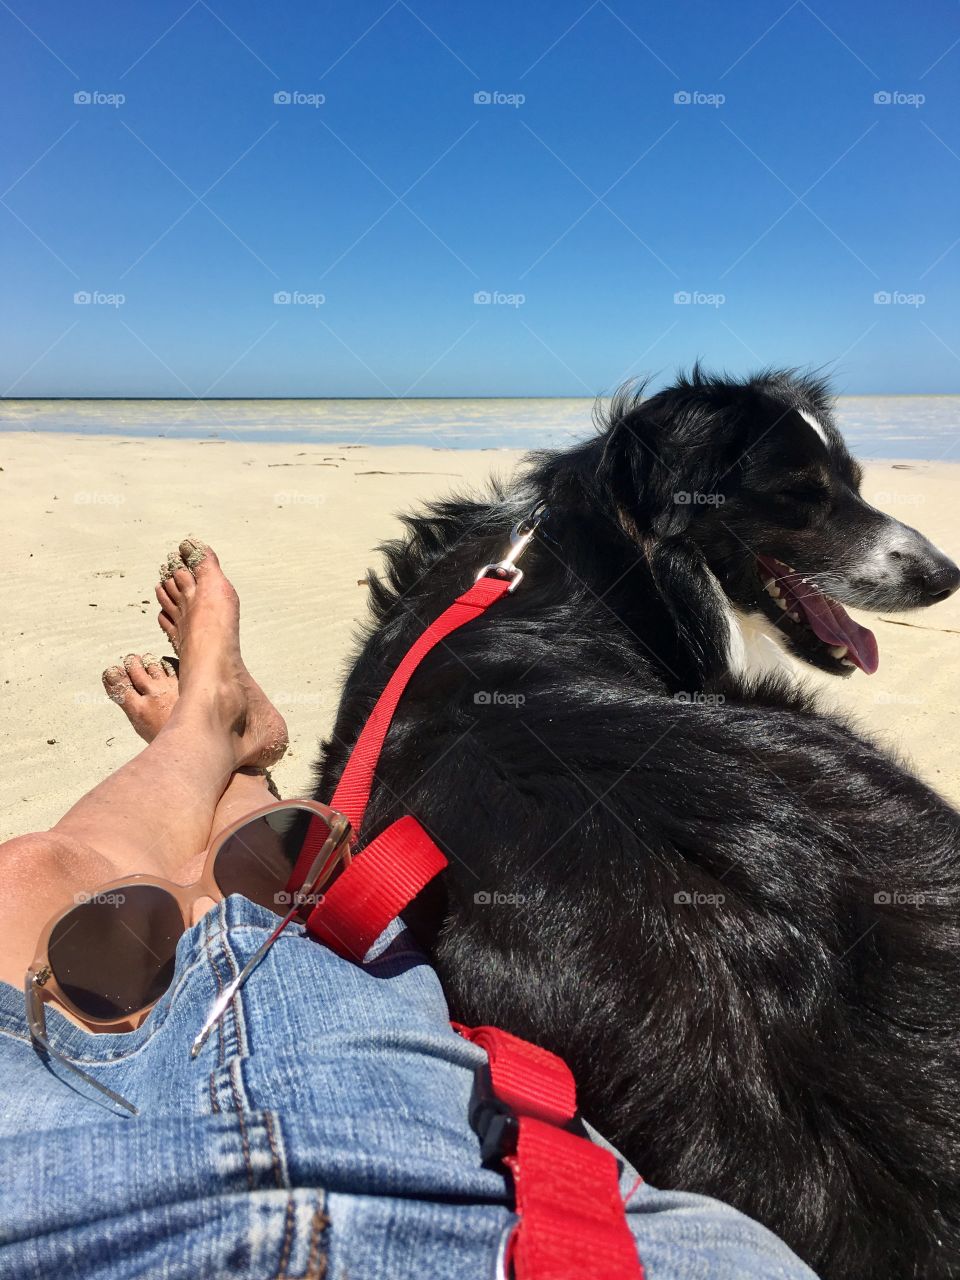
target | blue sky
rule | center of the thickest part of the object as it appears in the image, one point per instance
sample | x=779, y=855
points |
x=583, y=199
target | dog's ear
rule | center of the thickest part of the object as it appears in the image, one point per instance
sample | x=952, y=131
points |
x=663, y=460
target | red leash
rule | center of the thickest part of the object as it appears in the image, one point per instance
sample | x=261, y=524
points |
x=571, y=1223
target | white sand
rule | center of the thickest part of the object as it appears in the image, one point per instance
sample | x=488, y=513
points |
x=89, y=519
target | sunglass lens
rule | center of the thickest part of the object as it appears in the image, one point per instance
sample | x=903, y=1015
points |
x=113, y=955
x=260, y=860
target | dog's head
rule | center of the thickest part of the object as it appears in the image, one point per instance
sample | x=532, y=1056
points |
x=756, y=475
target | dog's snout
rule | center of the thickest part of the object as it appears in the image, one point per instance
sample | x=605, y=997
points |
x=940, y=579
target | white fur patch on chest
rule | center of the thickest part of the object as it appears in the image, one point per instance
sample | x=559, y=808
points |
x=756, y=647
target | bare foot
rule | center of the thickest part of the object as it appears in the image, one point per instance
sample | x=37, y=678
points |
x=145, y=688
x=200, y=614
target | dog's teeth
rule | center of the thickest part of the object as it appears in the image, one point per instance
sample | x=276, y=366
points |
x=839, y=650
x=794, y=615
x=780, y=602
x=847, y=663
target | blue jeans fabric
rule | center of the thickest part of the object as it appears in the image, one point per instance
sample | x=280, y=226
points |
x=321, y=1132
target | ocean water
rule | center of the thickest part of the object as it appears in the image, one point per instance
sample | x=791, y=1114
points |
x=924, y=427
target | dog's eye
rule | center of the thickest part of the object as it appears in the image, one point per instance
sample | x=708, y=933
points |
x=803, y=493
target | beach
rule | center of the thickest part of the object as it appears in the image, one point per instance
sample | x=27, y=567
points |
x=89, y=518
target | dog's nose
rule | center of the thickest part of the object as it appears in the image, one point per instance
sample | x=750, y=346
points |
x=940, y=580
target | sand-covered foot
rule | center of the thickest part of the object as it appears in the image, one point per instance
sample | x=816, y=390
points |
x=145, y=688
x=200, y=615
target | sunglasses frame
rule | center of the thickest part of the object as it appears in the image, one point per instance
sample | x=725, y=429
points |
x=41, y=986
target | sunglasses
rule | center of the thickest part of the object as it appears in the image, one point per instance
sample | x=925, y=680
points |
x=109, y=958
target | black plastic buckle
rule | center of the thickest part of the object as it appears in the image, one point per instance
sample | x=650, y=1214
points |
x=495, y=1123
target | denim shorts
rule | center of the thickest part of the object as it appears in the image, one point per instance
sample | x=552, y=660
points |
x=321, y=1132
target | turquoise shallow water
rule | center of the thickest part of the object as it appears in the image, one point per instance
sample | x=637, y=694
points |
x=925, y=427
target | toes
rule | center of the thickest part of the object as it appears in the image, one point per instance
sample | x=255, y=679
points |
x=169, y=630
x=199, y=558
x=185, y=583
x=153, y=666
x=165, y=600
x=173, y=563
x=137, y=673
x=168, y=571
x=117, y=684
x=171, y=667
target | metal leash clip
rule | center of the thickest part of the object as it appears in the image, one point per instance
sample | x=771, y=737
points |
x=521, y=536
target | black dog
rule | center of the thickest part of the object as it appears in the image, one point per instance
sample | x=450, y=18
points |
x=733, y=916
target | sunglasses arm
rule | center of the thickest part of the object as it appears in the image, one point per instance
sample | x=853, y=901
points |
x=231, y=989
x=38, y=1032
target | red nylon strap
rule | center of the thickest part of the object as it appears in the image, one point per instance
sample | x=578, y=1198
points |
x=571, y=1219
x=572, y=1222
x=530, y=1080
x=353, y=791
x=375, y=888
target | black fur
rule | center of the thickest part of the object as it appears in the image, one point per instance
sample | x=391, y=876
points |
x=688, y=867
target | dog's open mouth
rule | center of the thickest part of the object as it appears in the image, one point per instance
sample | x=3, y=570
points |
x=809, y=615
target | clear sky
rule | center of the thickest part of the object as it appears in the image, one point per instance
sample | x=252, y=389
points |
x=582, y=196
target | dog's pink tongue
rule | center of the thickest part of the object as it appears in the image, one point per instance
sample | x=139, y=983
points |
x=831, y=622
x=833, y=625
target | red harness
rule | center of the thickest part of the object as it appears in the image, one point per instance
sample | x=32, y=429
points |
x=571, y=1223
